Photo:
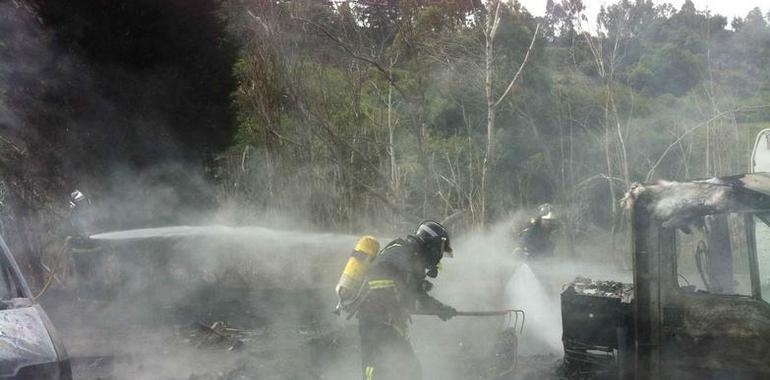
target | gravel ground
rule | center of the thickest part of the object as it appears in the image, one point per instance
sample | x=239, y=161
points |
x=257, y=336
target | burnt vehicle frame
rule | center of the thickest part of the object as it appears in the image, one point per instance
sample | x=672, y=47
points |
x=30, y=347
x=666, y=330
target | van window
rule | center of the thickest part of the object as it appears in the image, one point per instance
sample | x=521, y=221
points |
x=713, y=256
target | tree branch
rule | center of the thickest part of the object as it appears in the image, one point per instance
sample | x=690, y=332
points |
x=521, y=68
x=387, y=73
x=693, y=129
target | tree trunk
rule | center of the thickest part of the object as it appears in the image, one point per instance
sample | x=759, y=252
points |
x=488, y=164
x=422, y=135
x=493, y=15
x=391, y=143
x=608, y=158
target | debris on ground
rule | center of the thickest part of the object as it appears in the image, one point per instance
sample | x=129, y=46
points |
x=506, y=350
x=237, y=373
x=545, y=366
x=597, y=288
x=215, y=335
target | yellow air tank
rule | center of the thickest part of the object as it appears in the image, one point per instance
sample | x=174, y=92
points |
x=348, y=287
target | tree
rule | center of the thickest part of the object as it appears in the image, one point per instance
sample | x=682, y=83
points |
x=493, y=101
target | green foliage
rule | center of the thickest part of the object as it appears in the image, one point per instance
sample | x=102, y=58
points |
x=324, y=90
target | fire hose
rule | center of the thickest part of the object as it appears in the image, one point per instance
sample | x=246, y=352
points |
x=512, y=316
x=58, y=260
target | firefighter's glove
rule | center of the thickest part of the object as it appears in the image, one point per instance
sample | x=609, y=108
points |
x=446, y=312
x=432, y=272
x=427, y=286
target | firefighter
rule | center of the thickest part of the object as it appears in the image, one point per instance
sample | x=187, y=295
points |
x=86, y=253
x=535, y=238
x=396, y=287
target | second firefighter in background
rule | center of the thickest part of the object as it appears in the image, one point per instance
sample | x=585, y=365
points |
x=534, y=239
x=395, y=287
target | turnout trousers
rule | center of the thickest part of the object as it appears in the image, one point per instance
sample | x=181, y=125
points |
x=386, y=352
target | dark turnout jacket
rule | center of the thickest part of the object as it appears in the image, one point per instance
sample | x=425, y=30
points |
x=396, y=287
x=536, y=240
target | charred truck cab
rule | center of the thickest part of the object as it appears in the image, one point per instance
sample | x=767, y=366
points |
x=696, y=309
x=717, y=327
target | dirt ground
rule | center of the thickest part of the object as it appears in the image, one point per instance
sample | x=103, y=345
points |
x=263, y=337
x=203, y=316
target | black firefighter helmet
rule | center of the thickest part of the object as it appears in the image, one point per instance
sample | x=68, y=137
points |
x=434, y=239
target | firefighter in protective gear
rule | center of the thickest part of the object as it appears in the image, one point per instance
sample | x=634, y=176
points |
x=535, y=238
x=87, y=255
x=396, y=287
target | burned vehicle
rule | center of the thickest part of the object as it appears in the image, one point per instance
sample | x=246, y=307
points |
x=698, y=306
x=29, y=346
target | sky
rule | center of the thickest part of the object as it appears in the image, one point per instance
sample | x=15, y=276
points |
x=728, y=8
